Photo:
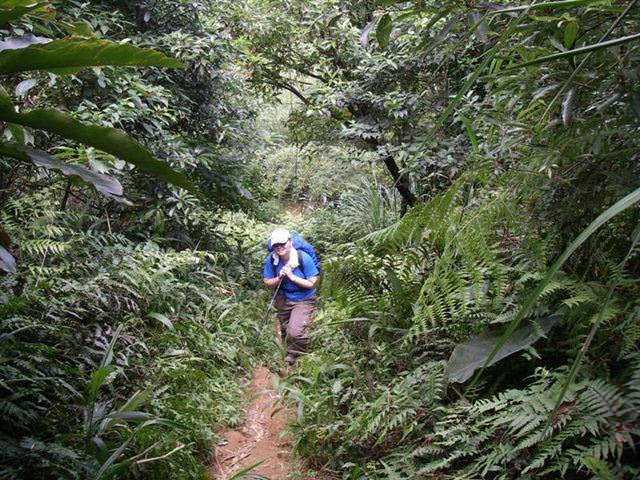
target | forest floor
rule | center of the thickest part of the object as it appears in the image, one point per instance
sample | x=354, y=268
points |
x=260, y=438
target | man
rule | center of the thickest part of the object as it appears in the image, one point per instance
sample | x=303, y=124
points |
x=295, y=274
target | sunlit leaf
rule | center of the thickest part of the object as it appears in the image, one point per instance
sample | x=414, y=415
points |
x=567, y=105
x=80, y=29
x=12, y=10
x=17, y=133
x=24, y=86
x=364, y=36
x=570, y=33
x=577, y=51
x=98, y=379
x=7, y=262
x=17, y=43
x=161, y=318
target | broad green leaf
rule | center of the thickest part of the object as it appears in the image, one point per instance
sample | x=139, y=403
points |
x=98, y=378
x=79, y=29
x=6, y=4
x=470, y=133
x=408, y=14
x=7, y=262
x=467, y=357
x=110, y=140
x=108, y=354
x=130, y=416
x=137, y=400
x=18, y=43
x=577, y=51
x=12, y=10
x=5, y=100
x=78, y=53
x=620, y=206
x=105, y=184
x=570, y=33
x=384, y=30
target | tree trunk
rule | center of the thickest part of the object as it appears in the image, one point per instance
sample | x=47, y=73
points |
x=401, y=181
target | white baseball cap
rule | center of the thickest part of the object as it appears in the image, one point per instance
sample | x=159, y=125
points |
x=279, y=235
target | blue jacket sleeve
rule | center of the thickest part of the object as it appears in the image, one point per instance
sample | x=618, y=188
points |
x=269, y=270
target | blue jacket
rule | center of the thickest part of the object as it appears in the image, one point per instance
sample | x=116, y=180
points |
x=306, y=269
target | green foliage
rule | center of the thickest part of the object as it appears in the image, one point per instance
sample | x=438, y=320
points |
x=518, y=127
x=400, y=299
x=60, y=56
x=507, y=433
x=108, y=140
x=89, y=370
x=512, y=129
x=309, y=174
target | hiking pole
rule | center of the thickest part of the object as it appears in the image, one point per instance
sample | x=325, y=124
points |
x=266, y=313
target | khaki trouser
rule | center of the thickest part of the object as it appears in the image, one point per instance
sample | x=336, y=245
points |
x=294, y=319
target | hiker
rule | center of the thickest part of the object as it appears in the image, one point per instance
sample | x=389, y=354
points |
x=293, y=271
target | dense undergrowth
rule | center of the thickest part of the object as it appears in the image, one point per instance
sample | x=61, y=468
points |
x=467, y=173
x=526, y=233
x=377, y=398
x=115, y=352
x=127, y=320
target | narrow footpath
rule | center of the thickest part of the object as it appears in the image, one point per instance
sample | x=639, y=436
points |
x=259, y=439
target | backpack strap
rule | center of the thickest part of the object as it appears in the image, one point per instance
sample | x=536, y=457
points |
x=300, y=252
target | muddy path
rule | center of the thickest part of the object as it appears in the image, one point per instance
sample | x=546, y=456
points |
x=260, y=438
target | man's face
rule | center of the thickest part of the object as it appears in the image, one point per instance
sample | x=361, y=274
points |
x=282, y=248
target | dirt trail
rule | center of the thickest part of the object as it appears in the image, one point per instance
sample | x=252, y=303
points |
x=258, y=438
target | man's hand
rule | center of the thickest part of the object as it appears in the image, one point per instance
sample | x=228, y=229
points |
x=286, y=271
